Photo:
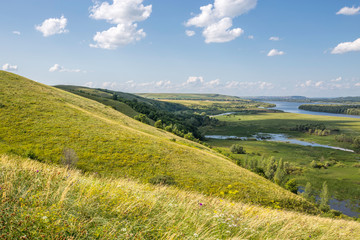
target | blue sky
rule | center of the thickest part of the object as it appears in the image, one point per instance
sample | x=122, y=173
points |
x=237, y=47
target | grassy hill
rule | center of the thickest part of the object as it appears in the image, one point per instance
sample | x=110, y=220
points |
x=40, y=201
x=39, y=121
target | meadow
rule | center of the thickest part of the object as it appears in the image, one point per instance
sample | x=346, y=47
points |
x=44, y=201
x=39, y=122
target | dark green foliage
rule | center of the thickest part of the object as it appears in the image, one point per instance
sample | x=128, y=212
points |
x=354, y=140
x=142, y=118
x=163, y=180
x=324, y=198
x=280, y=173
x=158, y=124
x=342, y=109
x=237, y=149
x=270, y=168
x=291, y=185
x=318, y=129
x=31, y=154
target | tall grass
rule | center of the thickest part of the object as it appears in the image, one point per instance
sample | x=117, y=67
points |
x=39, y=201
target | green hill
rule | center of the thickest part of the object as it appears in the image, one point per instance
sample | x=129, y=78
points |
x=40, y=201
x=39, y=121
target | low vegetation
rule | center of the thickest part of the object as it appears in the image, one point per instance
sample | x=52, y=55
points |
x=43, y=201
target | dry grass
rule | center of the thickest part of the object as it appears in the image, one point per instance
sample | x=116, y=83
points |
x=43, y=201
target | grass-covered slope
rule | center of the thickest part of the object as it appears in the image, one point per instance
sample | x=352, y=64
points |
x=40, y=121
x=39, y=201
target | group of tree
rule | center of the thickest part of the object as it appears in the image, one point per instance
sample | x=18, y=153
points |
x=277, y=171
x=181, y=123
x=341, y=109
x=353, y=140
x=323, y=199
x=318, y=129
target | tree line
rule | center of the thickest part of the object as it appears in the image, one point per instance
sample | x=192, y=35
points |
x=340, y=109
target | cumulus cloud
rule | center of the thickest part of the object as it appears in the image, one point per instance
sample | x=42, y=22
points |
x=123, y=13
x=357, y=84
x=8, y=67
x=53, y=26
x=274, y=39
x=89, y=84
x=16, y=32
x=347, y=47
x=189, y=33
x=220, y=32
x=275, y=52
x=216, y=19
x=348, y=11
x=58, y=68
x=194, y=81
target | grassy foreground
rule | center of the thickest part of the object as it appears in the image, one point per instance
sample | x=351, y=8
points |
x=40, y=201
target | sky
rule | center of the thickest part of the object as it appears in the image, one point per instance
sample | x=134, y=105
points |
x=234, y=47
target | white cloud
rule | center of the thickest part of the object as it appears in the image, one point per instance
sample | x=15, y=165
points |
x=347, y=47
x=326, y=85
x=357, y=84
x=216, y=19
x=274, y=39
x=275, y=52
x=194, y=81
x=123, y=13
x=8, y=67
x=89, y=84
x=251, y=37
x=336, y=79
x=163, y=84
x=58, y=68
x=16, y=32
x=53, y=26
x=189, y=33
x=109, y=85
x=220, y=32
x=249, y=85
x=348, y=11
x=120, y=35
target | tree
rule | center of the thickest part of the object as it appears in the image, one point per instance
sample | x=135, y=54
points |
x=237, y=149
x=142, y=118
x=280, y=173
x=324, y=198
x=158, y=124
x=291, y=185
x=308, y=193
x=270, y=169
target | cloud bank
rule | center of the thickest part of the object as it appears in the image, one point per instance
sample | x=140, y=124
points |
x=8, y=67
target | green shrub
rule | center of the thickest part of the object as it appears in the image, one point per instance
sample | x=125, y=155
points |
x=237, y=149
x=291, y=185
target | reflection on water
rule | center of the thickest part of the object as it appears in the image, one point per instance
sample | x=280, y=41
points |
x=276, y=137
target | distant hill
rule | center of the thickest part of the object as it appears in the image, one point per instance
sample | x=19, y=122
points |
x=188, y=96
x=280, y=98
x=39, y=122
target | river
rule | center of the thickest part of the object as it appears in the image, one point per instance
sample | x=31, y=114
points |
x=293, y=107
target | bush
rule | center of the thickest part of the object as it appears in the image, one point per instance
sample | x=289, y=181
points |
x=291, y=186
x=162, y=180
x=237, y=149
x=69, y=158
x=158, y=124
x=142, y=118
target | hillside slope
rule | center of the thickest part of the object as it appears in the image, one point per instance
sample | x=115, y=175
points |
x=40, y=121
x=47, y=202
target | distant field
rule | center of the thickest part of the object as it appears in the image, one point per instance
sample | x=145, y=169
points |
x=343, y=179
x=187, y=96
